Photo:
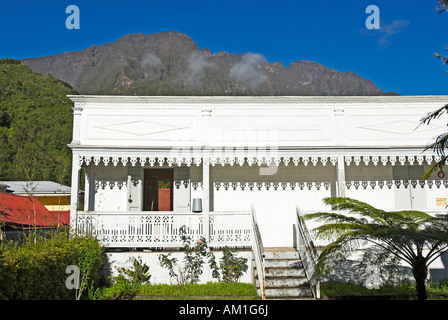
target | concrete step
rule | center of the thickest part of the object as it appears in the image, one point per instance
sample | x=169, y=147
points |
x=286, y=282
x=282, y=293
x=283, y=263
x=284, y=275
x=284, y=272
x=281, y=255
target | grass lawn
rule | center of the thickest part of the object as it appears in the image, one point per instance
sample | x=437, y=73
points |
x=209, y=291
x=334, y=290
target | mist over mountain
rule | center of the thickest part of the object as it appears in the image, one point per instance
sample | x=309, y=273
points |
x=170, y=63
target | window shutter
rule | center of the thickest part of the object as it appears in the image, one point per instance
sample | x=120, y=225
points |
x=135, y=187
x=181, y=189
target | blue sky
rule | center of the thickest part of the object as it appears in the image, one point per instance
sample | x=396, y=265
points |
x=397, y=57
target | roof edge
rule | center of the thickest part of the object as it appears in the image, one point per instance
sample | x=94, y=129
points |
x=257, y=99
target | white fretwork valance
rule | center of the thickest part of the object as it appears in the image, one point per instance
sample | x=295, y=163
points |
x=235, y=160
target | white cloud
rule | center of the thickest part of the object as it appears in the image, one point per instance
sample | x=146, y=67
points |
x=197, y=62
x=247, y=71
x=390, y=29
x=386, y=31
x=152, y=60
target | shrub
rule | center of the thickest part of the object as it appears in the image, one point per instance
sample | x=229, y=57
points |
x=231, y=267
x=193, y=260
x=138, y=275
x=36, y=268
x=9, y=61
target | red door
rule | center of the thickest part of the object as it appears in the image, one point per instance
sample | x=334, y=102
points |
x=165, y=199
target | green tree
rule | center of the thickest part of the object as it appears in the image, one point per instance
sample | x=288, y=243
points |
x=35, y=125
x=414, y=237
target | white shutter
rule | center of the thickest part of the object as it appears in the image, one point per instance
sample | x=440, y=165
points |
x=135, y=189
x=181, y=191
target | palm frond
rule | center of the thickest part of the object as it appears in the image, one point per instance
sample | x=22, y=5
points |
x=434, y=167
x=439, y=145
x=352, y=205
x=413, y=215
x=338, y=229
x=434, y=115
x=442, y=5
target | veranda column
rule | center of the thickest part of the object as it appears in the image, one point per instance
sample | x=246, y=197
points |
x=74, y=197
x=206, y=197
x=205, y=136
x=77, y=111
x=341, y=176
x=87, y=189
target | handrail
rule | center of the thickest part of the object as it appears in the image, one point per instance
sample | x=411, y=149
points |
x=308, y=253
x=257, y=245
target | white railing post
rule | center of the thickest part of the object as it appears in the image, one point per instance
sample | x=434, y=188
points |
x=206, y=197
x=341, y=176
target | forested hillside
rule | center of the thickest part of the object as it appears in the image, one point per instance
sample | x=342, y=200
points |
x=35, y=125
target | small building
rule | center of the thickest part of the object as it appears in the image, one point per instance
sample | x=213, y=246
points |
x=21, y=214
x=54, y=196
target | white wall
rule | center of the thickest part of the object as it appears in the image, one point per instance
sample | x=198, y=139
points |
x=274, y=197
x=110, y=187
x=159, y=275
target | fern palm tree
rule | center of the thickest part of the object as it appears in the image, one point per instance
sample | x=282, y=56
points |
x=412, y=236
x=441, y=142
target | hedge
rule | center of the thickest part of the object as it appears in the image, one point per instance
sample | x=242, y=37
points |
x=36, y=267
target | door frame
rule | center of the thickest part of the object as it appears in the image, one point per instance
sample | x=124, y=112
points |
x=158, y=174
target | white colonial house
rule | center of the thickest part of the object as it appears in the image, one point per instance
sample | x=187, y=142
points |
x=218, y=164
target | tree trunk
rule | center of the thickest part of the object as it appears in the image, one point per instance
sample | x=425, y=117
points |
x=420, y=271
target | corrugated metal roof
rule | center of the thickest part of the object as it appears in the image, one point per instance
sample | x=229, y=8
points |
x=27, y=212
x=37, y=187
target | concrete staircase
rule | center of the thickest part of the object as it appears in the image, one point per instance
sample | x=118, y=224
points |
x=284, y=275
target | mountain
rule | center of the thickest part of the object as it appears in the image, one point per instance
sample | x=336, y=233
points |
x=170, y=63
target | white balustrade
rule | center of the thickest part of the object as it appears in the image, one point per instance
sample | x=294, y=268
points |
x=161, y=229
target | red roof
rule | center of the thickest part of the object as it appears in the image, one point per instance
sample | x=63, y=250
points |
x=62, y=216
x=27, y=212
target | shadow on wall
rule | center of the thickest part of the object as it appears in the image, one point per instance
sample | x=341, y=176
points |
x=440, y=274
x=350, y=271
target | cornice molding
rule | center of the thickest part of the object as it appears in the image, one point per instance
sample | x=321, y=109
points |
x=249, y=101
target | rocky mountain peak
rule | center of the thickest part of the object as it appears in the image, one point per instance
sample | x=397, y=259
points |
x=171, y=63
